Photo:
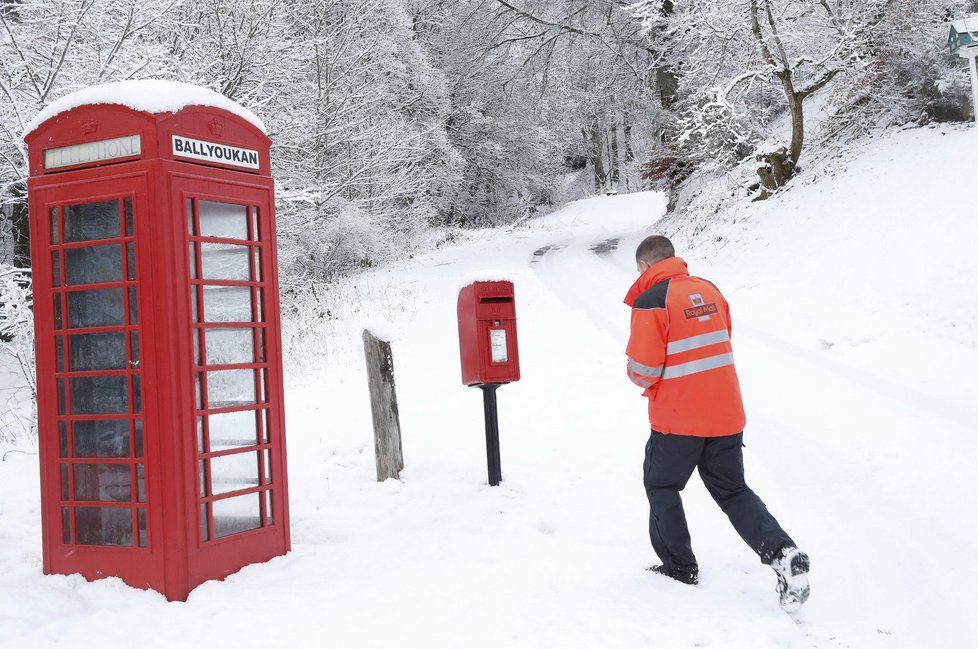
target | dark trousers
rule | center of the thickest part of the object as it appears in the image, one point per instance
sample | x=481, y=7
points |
x=669, y=462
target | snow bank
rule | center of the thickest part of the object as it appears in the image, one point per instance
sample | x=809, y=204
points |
x=152, y=96
x=855, y=329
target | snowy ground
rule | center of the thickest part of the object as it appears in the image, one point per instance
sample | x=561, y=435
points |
x=855, y=312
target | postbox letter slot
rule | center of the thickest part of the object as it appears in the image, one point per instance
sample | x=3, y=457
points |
x=496, y=300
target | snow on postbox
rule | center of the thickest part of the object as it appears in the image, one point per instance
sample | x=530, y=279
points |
x=159, y=374
x=487, y=333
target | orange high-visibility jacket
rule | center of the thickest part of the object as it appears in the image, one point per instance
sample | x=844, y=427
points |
x=679, y=351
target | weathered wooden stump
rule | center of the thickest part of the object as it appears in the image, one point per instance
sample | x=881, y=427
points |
x=383, y=405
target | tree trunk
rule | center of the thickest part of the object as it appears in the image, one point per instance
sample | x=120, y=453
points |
x=626, y=131
x=595, y=154
x=796, y=105
x=667, y=83
x=613, y=158
x=20, y=228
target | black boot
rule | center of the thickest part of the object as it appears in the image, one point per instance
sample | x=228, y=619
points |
x=685, y=576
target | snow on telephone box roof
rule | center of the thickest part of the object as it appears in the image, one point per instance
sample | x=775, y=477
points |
x=152, y=96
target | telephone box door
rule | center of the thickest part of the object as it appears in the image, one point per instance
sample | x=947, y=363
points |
x=96, y=398
x=230, y=272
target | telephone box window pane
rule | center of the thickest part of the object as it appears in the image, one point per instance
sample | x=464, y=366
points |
x=261, y=346
x=92, y=221
x=196, y=343
x=133, y=313
x=141, y=522
x=199, y=391
x=254, y=223
x=227, y=304
x=93, y=265
x=232, y=429
x=130, y=261
x=194, y=316
x=134, y=346
x=269, y=518
x=268, y=426
x=56, y=268
x=233, y=472
x=200, y=434
x=65, y=485
x=61, y=396
x=230, y=346
x=101, y=438
x=260, y=316
x=101, y=307
x=55, y=238
x=268, y=466
x=190, y=217
x=98, y=351
x=224, y=261
x=103, y=526
x=192, y=256
x=103, y=482
x=204, y=536
x=95, y=395
x=264, y=386
x=140, y=484
x=59, y=353
x=235, y=515
x=127, y=206
x=202, y=477
x=62, y=439
x=65, y=525
x=57, y=311
x=137, y=394
x=257, y=265
x=223, y=220
x=138, y=437
x=226, y=388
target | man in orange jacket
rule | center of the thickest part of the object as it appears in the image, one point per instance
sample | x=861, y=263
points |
x=679, y=352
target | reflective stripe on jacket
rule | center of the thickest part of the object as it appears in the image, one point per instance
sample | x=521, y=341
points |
x=679, y=352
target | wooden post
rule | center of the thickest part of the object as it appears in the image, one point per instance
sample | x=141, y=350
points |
x=383, y=404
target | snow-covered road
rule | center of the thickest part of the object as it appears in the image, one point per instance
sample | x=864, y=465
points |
x=860, y=438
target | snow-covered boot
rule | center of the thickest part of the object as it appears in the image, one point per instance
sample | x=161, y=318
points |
x=685, y=576
x=791, y=566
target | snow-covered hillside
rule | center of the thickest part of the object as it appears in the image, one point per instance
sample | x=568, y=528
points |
x=856, y=335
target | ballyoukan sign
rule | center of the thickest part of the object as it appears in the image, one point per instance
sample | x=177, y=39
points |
x=186, y=147
x=88, y=152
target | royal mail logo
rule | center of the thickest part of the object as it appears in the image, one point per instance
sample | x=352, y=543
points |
x=700, y=311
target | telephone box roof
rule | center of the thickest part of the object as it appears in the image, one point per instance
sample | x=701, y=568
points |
x=149, y=96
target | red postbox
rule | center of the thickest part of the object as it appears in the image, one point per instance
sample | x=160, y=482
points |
x=487, y=333
x=159, y=373
x=489, y=352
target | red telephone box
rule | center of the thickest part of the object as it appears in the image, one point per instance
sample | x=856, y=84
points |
x=159, y=372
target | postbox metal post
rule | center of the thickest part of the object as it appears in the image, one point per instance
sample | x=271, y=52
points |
x=492, y=433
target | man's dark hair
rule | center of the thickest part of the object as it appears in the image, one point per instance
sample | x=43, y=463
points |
x=654, y=249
